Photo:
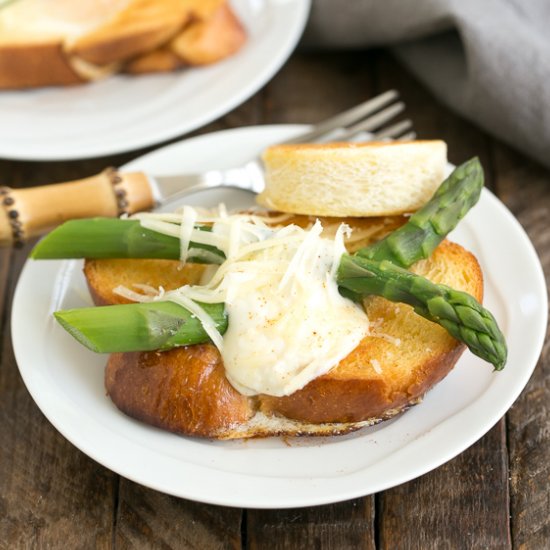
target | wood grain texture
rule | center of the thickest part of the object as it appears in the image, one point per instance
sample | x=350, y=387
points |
x=525, y=189
x=462, y=504
x=315, y=86
x=342, y=526
x=148, y=519
x=5, y=263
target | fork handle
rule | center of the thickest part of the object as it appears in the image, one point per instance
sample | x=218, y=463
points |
x=25, y=213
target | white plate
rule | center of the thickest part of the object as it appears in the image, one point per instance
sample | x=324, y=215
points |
x=123, y=113
x=66, y=380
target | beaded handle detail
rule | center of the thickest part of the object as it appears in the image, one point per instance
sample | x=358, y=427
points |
x=32, y=211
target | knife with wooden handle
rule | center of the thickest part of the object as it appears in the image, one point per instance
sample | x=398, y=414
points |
x=26, y=213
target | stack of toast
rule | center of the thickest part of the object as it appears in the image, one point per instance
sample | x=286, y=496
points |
x=45, y=43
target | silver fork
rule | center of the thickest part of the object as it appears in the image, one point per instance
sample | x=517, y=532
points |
x=367, y=121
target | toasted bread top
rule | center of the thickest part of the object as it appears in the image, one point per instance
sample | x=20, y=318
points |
x=349, y=179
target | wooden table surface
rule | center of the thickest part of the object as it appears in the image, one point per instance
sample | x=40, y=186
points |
x=494, y=495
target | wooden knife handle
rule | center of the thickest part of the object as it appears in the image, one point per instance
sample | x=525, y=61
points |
x=29, y=212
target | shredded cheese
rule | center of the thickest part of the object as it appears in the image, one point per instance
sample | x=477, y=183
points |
x=187, y=225
x=288, y=322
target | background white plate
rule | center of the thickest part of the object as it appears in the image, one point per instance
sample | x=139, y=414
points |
x=66, y=380
x=123, y=113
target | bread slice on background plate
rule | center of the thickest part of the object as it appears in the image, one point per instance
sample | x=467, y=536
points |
x=67, y=42
x=203, y=41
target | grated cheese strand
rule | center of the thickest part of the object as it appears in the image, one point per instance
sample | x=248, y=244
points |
x=187, y=225
x=343, y=231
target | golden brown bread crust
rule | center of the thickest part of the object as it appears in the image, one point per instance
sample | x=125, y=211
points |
x=201, y=42
x=103, y=276
x=174, y=390
x=143, y=25
x=354, y=390
x=136, y=40
x=329, y=399
x=32, y=65
x=161, y=60
x=391, y=369
x=203, y=9
x=209, y=41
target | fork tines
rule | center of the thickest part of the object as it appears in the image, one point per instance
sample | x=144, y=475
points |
x=364, y=122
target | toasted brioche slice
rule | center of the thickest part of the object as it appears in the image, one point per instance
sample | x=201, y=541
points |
x=32, y=38
x=82, y=40
x=161, y=60
x=30, y=65
x=103, y=276
x=353, y=179
x=59, y=43
x=140, y=26
x=208, y=40
x=184, y=390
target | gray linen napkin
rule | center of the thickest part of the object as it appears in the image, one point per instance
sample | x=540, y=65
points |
x=487, y=59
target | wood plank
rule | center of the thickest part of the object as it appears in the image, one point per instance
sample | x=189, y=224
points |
x=148, y=519
x=525, y=189
x=313, y=86
x=462, y=504
x=341, y=526
x=5, y=262
x=465, y=502
x=51, y=495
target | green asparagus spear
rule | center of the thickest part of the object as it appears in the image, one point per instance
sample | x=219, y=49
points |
x=426, y=228
x=139, y=327
x=458, y=312
x=113, y=238
x=116, y=238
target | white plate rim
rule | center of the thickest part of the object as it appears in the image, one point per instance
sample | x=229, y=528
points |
x=329, y=491
x=292, y=29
